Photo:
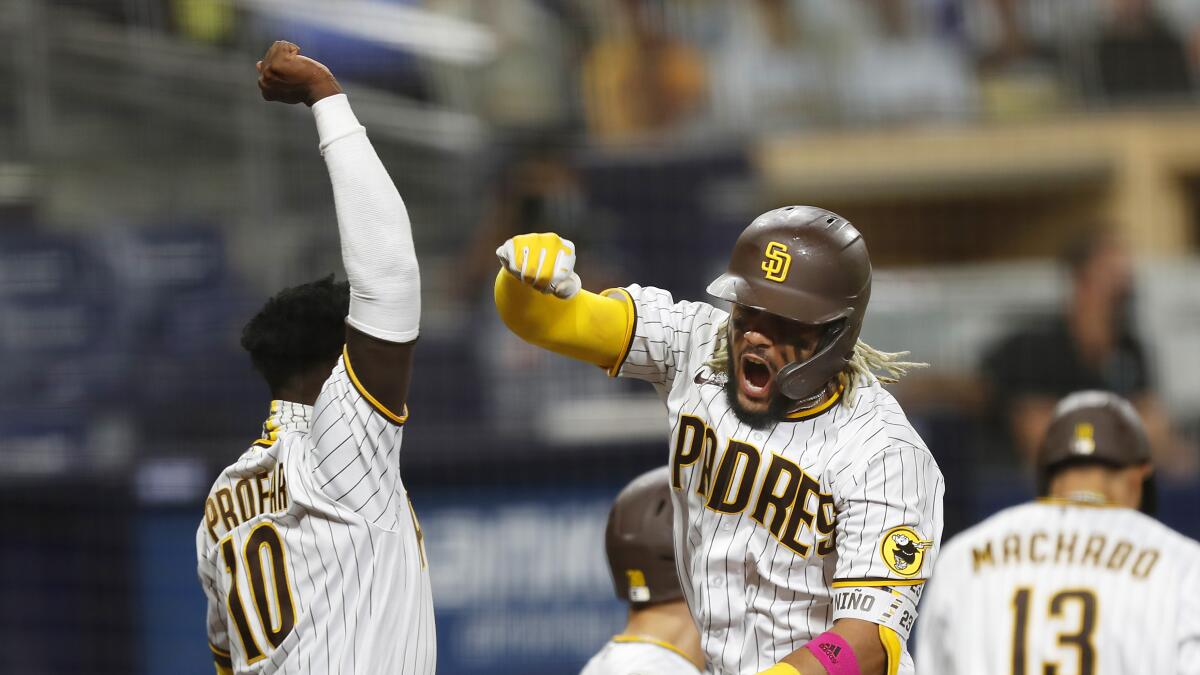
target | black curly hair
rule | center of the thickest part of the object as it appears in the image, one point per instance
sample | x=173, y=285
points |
x=300, y=328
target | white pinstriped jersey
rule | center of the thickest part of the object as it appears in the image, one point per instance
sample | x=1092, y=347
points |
x=627, y=655
x=1092, y=590
x=768, y=522
x=309, y=551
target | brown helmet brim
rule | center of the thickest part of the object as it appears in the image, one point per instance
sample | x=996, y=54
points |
x=789, y=303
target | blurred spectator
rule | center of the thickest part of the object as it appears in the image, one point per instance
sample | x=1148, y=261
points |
x=775, y=67
x=1004, y=32
x=639, y=79
x=1021, y=69
x=903, y=71
x=537, y=190
x=204, y=20
x=528, y=84
x=1092, y=345
x=1139, y=56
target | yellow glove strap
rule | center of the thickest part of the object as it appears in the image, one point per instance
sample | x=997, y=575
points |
x=780, y=669
x=589, y=327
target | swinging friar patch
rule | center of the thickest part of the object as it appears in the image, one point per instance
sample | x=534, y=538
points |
x=903, y=550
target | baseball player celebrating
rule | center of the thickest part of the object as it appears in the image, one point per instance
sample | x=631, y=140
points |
x=660, y=637
x=807, y=509
x=1077, y=582
x=309, y=552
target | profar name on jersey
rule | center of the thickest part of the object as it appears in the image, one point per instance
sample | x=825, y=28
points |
x=247, y=498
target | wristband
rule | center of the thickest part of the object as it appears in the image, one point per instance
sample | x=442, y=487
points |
x=891, y=606
x=834, y=653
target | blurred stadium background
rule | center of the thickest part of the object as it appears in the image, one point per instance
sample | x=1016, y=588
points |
x=150, y=202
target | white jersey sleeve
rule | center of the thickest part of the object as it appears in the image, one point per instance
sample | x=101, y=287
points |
x=887, y=521
x=665, y=333
x=888, y=528
x=356, y=446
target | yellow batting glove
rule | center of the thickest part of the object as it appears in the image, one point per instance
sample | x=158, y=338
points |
x=544, y=261
x=780, y=669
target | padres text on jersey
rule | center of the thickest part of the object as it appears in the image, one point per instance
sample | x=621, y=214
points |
x=835, y=512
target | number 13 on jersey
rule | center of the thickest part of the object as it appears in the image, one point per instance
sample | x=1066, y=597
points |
x=1070, y=616
x=263, y=563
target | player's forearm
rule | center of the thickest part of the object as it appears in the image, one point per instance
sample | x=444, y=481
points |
x=589, y=327
x=864, y=638
x=376, y=235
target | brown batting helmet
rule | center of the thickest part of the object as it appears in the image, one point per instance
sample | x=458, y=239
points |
x=639, y=541
x=811, y=266
x=1094, y=427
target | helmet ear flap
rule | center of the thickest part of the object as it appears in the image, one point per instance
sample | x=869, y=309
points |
x=790, y=385
x=794, y=378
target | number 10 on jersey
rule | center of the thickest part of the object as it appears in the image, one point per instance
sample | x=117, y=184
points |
x=276, y=610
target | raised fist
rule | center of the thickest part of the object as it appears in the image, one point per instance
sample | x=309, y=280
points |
x=544, y=261
x=286, y=76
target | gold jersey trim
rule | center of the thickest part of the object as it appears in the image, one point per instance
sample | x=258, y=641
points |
x=222, y=658
x=1099, y=503
x=383, y=410
x=625, y=638
x=877, y=583
x=813, y=412
x=630, y=328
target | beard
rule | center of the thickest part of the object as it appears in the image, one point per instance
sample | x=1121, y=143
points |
x=777, y=407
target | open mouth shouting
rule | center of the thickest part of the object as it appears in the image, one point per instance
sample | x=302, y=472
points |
x=755, y=377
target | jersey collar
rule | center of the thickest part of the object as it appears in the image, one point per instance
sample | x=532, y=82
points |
x=1080, y=498
x=642, y=639
x=817, y=409
x=286, y=416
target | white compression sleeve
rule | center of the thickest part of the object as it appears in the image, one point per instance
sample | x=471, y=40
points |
x=377, y=245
